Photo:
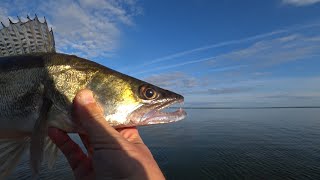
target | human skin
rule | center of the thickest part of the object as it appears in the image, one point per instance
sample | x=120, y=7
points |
x=112, y=154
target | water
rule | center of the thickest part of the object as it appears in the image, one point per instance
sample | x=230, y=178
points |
x=228, y=144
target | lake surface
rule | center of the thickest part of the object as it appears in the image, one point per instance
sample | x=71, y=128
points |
x=227, y=144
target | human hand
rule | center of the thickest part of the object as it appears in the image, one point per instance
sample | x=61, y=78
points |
x=112, y=154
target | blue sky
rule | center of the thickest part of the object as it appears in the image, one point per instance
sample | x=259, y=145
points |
x=215, y=53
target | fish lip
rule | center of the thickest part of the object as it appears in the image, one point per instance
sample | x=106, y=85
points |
x=156, y=116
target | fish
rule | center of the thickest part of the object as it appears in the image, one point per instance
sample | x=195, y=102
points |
x=38, y=85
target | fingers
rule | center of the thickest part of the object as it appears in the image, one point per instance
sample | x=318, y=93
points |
x=70, y=149
x=90, y=116
x=131, y=134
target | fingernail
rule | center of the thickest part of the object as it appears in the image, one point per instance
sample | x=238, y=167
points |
x=86, y=97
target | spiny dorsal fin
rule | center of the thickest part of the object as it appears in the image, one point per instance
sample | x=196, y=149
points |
x=28, y=37
x=36, y=17
x=10, y=21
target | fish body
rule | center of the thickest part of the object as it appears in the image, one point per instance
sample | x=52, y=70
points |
x=58, y=77
x=38, y=87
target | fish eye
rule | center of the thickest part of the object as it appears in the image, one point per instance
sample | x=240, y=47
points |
x=148, y=93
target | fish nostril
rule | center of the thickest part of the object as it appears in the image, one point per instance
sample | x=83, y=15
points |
x=181, y=100
x=180, y=97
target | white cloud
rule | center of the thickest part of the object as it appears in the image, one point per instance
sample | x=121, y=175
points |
x=286, y=91
x=266, y=52
x=212, y=46
x=229, y=90
x=304, y=49
x=173, y=80
x=88, y=27
x=278, y=50
x=231, y=42
x=300, y=2
x=174, y=65
x=3, y=15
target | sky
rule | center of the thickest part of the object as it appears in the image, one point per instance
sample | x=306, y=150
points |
x=215, y=53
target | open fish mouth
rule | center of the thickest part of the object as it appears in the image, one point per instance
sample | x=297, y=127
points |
x=158, y=116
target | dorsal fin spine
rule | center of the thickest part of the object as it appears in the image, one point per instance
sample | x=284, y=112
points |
x=52, y=39
x=34, y=39
x=27, y=48
x=26, y=37
x=3, y=47
x=5, y=44
x=44, y=43
x=10, y=21
x=16, y=30
x=36, y=17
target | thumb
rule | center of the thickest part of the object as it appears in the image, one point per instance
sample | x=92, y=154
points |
x=90, y=116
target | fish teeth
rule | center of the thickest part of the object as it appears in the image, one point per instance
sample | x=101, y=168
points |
x=145, y=116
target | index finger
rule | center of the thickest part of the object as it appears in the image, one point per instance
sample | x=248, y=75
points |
x=131, y=134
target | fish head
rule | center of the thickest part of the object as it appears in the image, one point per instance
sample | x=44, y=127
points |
x=153, y=100
x=127, y=101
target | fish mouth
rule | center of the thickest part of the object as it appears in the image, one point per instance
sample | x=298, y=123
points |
x=157, y=116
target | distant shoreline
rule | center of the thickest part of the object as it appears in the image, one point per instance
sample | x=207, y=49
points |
x=270, y=107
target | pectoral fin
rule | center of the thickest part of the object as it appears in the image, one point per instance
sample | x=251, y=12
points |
x=11, y=151
x=51, y=152
x=10, y=154
x=38, y=136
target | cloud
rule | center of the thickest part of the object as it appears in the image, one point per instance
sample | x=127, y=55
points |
x=268, y=91
x=212, y=46
x=291, y=96
x=190, y=84
x=175, y=65
x=173, y=80
x=300, y=2
x=278, y=50
x=88, y=27
x=222, y=69
x=229, y=90
x=283, y=38
x=259, y=74
x=231, y=42
x=267, y=52
x=3, y=14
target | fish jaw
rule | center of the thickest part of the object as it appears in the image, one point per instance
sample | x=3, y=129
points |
x=159, y=117
x=152, y=113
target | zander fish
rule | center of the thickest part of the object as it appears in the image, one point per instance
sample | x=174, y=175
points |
x=37, y=87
